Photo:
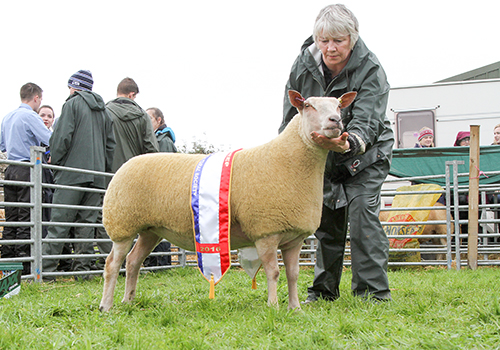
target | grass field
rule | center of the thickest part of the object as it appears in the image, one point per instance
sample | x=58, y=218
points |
x=431, y=309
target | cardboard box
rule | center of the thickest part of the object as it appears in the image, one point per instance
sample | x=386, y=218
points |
x=10, y=279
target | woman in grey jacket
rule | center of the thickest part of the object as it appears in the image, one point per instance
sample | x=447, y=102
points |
x=334, y=61
x=164, y=134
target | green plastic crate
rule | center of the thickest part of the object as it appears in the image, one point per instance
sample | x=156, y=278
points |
x=10, y=279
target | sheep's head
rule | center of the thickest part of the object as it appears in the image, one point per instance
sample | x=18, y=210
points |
x=322, y=114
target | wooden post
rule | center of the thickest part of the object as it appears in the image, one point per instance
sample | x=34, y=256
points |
x=473, y=197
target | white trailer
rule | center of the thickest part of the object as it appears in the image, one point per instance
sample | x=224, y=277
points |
x=447, y=108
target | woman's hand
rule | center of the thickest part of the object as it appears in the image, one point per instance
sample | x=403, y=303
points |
x=338, y=144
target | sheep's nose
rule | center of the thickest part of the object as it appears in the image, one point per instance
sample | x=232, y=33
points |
x=337, y=122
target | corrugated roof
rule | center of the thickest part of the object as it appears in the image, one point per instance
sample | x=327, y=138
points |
x=491, y=71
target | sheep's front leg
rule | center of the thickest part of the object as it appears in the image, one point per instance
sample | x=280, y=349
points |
x=145, y=244
x=111, y=271
x=267, y=250
x=291, y=260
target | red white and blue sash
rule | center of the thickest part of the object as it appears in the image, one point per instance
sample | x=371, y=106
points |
x=211, y=214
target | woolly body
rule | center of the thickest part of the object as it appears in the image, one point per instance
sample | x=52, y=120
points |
x=259, y=206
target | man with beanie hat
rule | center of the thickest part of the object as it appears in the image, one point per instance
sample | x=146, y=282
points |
x=81, y=80
x=82, y=138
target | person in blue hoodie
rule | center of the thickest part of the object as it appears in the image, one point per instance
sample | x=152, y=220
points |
x=166, y=139
x=164, y=134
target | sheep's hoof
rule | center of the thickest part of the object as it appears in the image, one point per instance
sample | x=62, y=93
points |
x=103, y=308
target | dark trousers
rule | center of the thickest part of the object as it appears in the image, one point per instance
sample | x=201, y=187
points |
x=102, y=247
x=71, y=215
x=100, y=232
x=163, y=260
x=17, y=214
x=46, y=212
x=369, y=243
x=331, y=236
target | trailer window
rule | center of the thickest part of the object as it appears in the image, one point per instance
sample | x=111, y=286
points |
x=408, y=125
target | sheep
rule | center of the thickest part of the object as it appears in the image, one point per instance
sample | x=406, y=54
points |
x=276, y=199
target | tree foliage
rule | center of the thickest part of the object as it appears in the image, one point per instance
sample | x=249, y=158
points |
x=200, y=146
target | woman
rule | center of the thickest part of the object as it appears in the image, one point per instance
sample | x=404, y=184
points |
x=334, y=61
x=166, y=138
x=425, y=138
x=496, y=135
x=47, y=114
x=164, y=135
x=463, y=138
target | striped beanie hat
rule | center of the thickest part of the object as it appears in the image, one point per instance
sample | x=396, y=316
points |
x=425, y=131
x=81, y=80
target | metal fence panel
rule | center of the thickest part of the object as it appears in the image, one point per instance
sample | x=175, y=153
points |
x=489, y=244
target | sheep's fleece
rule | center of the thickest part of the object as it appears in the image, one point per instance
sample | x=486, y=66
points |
x=276, y=199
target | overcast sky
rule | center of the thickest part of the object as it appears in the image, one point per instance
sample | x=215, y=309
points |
x=217, y=69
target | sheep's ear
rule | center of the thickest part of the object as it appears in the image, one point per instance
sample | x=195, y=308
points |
x=296, y=99
x=346, y=99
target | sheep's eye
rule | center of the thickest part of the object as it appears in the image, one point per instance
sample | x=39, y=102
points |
x=307, y=105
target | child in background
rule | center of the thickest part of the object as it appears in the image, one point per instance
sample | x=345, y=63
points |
x=425, y=138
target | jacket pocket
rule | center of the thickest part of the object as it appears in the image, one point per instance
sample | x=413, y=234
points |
x=357, y=163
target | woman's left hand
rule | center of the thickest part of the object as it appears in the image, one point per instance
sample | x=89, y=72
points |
x=338, y=144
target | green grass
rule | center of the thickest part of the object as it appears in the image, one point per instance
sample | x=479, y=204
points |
x=432, y=309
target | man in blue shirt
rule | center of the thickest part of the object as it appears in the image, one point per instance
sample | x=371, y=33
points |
x=21, y=129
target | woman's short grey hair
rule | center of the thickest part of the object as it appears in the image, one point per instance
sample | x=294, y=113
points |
x=335, y=20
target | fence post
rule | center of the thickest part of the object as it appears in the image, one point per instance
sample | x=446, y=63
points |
x=457, y=214
x=313, y=254
x=182, y=257
x=36, y=212
x=484, y=227
x=473, y=197
x=448, y=214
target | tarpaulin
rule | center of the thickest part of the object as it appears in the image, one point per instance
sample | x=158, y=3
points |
x=410, y=162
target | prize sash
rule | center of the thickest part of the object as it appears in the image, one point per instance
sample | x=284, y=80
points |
x=210, y=199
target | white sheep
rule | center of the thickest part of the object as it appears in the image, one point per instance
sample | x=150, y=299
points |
x=276, y=200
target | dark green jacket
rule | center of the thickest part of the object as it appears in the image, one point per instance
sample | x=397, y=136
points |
x=365, y=117
x=165, y=141
x=133, y=130
x=82, y=138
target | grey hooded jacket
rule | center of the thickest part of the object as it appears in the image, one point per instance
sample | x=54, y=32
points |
x=365, y=117
x=83, y=138
x=133, y=130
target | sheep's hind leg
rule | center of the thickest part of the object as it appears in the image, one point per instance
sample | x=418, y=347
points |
x=146, y=242
x=291, y=261
x=112, y=269
x=267, y=250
